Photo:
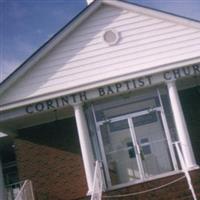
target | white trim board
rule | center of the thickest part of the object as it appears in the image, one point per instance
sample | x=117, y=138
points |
x=72, y=26
x=120, y=87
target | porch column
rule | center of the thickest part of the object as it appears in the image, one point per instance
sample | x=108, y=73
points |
x=86, y=147
x=181, y=125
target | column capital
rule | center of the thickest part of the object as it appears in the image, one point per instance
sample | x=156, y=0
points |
x=171, y=83
x=78, y=105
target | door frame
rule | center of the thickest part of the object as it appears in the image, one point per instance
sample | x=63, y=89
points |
x=107, y=179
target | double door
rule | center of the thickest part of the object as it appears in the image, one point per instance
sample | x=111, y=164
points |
x=136, y=147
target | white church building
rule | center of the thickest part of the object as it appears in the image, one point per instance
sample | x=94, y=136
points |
x=118, y=86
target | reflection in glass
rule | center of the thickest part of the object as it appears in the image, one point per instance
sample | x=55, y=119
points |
x=153, y=145
x=120, y=152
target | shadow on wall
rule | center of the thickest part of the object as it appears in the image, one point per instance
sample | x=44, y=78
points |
x=49, y=155
x=60, y=134
x=190, y=100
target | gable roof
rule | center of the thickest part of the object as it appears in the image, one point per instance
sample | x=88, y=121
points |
x=47, y=46
x=50, y=44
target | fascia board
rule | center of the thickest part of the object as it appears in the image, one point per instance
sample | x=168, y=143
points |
x=49, y=45
x=153, y=12
x=157, y=69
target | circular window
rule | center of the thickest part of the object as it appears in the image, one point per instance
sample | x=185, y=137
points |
x=111, y=37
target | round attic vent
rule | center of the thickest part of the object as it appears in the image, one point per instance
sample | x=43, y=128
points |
x=111, y=37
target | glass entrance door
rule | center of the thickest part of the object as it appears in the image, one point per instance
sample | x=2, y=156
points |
x=153, y=146
x=120, y=152
x=134, y=147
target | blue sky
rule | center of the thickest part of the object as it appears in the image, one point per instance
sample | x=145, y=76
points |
x=26, y=24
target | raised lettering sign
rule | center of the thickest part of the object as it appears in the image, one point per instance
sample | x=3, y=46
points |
x=129, y=85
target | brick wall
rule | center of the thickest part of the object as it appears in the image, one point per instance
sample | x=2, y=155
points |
x=175, y=191
x=49, y=155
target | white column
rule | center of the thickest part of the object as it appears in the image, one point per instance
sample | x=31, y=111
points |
x=181, y=125
x=85, y=143
x=2, y=187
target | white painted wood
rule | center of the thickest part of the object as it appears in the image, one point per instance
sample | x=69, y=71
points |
x=85, y=144
x=30, y=62
x=85, y=67
x=84, y=60
x=89, y=1
x=153, y=13
x=181, y=126
x=94, y=86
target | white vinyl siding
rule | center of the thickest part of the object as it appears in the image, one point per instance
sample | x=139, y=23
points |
x=83, y=58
